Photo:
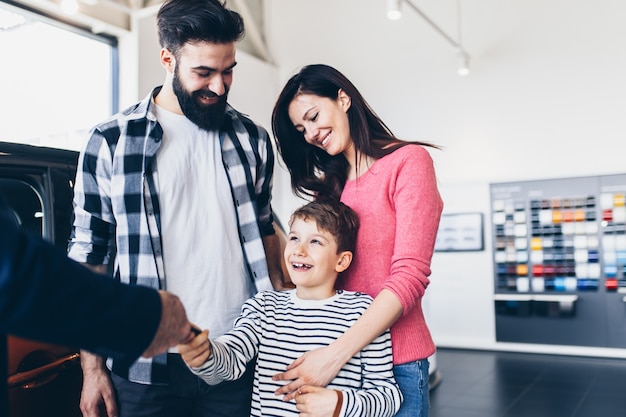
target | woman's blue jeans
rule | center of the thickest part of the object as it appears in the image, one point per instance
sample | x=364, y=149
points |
x=412, y=378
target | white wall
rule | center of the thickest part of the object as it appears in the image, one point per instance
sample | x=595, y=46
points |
x=546, y=98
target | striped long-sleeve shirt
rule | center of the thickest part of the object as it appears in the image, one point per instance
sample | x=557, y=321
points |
x=278, y=327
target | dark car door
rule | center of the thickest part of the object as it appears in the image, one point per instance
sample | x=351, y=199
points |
x=36, y=182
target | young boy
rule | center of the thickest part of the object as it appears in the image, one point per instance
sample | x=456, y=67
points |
x=280, y=326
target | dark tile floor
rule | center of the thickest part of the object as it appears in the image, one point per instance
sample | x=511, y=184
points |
x=504, y=384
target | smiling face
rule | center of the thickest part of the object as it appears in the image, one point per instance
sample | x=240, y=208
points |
x=202, y=76
x=323, y=122
x=312, y=259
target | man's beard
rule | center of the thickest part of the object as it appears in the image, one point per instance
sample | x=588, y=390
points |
x=207, y=117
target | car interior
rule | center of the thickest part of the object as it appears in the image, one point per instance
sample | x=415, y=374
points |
x=24, y=203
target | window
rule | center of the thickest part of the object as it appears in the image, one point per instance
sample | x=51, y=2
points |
x=57, y=80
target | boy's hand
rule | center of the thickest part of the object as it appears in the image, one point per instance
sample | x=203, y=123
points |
x=196, y=351
x=314, y=401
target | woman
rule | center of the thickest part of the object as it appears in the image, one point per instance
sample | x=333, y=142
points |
x=335, y=146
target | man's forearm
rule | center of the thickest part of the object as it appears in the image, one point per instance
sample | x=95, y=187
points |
x=91, y=362
x=273, y=254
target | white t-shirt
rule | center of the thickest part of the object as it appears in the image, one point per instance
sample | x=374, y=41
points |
x=203, y=259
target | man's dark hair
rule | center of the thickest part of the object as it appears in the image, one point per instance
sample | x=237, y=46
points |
x=333, y=217
x=182, y=21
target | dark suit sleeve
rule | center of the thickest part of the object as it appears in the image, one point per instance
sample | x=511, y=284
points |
x=47, y=297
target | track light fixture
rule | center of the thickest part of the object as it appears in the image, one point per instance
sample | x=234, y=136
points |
x=394, y=13
x=464, y=68
x=393, y=9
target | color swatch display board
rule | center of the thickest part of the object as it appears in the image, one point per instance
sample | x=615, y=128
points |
x=559, y=253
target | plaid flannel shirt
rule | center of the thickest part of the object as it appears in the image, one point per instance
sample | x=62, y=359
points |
x=116, y=203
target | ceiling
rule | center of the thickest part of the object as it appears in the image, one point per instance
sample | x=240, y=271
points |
x=115, y=17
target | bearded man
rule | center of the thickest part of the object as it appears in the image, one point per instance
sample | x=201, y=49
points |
x=180, y=185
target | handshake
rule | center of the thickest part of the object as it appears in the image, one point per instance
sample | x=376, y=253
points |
x=174, y=327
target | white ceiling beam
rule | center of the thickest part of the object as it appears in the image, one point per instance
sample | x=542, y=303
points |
x=102, y=17
x=253, y=32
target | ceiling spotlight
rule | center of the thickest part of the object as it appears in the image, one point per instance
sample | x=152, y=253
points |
x=69, y=6
x=464, y=68
x=393, y=9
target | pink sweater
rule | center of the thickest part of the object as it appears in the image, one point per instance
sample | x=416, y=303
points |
x=399, y=207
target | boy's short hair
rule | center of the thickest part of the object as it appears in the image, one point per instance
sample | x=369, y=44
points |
x=182, y=21
x=333, y=217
